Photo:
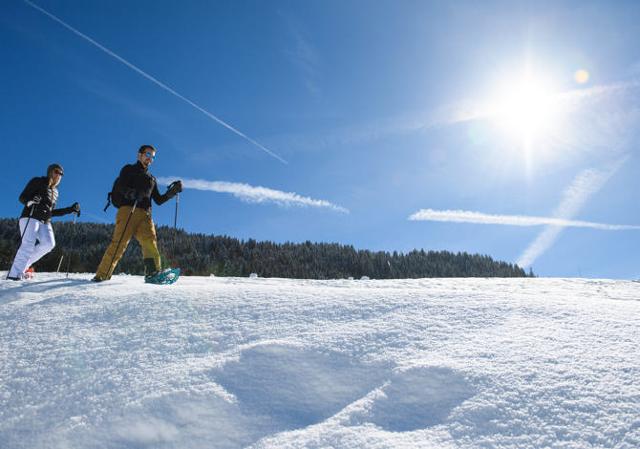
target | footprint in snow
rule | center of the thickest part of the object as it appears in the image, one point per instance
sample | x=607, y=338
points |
x=277, y=388
x=297, y=387
x=418, y=398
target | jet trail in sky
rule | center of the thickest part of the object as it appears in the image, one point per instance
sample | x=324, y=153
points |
x=464, y=216
x=254, y=194
x=155, y=81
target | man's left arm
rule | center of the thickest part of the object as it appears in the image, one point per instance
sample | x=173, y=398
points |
x=173, y=189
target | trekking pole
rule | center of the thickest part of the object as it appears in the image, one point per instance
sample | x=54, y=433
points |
x=21, y=237
x=175, y=218
x=124, y=231
x=71, y=243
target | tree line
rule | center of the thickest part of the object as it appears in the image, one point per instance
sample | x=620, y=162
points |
x=80, y=246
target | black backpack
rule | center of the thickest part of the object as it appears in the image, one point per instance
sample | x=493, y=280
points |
x=114, y=197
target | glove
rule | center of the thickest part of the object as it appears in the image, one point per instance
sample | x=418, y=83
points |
x=174, y=188
x=75, y=208
x=35, y=200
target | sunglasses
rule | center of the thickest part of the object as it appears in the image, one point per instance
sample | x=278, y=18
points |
x=58, y=172
x=150, y=155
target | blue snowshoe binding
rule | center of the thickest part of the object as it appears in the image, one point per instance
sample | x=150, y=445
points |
x=163, y=277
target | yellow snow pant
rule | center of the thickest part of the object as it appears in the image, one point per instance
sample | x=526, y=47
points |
x=142, y=228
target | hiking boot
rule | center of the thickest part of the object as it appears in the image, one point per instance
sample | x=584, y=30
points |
x=150, y=269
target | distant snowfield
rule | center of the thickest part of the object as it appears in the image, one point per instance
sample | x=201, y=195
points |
x=274, y=363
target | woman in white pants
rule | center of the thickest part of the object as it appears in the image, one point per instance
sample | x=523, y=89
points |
x=39, y=198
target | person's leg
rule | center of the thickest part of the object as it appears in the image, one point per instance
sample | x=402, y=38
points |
x=146, y=236
x=124, y=230
x=27, y=246
x=47, y=243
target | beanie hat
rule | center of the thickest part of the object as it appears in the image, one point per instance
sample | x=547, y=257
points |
x=52, y=167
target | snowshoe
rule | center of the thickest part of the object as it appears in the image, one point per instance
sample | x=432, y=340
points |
x=163, y=277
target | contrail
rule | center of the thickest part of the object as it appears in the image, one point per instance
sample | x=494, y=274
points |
x=254, y=194
x=463, y=216
x=155, y=81
x=583, y=187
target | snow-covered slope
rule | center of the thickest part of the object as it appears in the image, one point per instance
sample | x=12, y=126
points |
x=274, y=363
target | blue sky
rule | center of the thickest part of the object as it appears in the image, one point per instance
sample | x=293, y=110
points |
x=471, y=116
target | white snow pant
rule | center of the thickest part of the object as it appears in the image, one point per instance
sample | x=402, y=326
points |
x=30, y=252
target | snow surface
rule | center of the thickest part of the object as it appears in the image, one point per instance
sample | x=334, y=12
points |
x=216, y=362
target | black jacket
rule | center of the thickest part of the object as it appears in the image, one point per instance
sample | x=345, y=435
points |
x=39, y=186
x=136, y=183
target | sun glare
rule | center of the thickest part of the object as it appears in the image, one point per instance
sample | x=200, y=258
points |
x=525, y=109
x=528, y=114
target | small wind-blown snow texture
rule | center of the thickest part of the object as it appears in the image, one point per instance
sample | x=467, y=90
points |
x=274, y=363
x=253, y=194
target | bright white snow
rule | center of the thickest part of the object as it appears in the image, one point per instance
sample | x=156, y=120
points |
x=271, y=363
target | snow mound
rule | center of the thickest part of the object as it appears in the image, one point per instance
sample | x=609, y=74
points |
x=215, y=363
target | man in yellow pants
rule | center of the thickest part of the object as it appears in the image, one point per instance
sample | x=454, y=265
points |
x=132, y=194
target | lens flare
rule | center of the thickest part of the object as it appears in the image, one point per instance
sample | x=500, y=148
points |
x=581, y=76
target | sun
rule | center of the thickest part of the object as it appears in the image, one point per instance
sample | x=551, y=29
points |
x=525, y=109
x=528, y=117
